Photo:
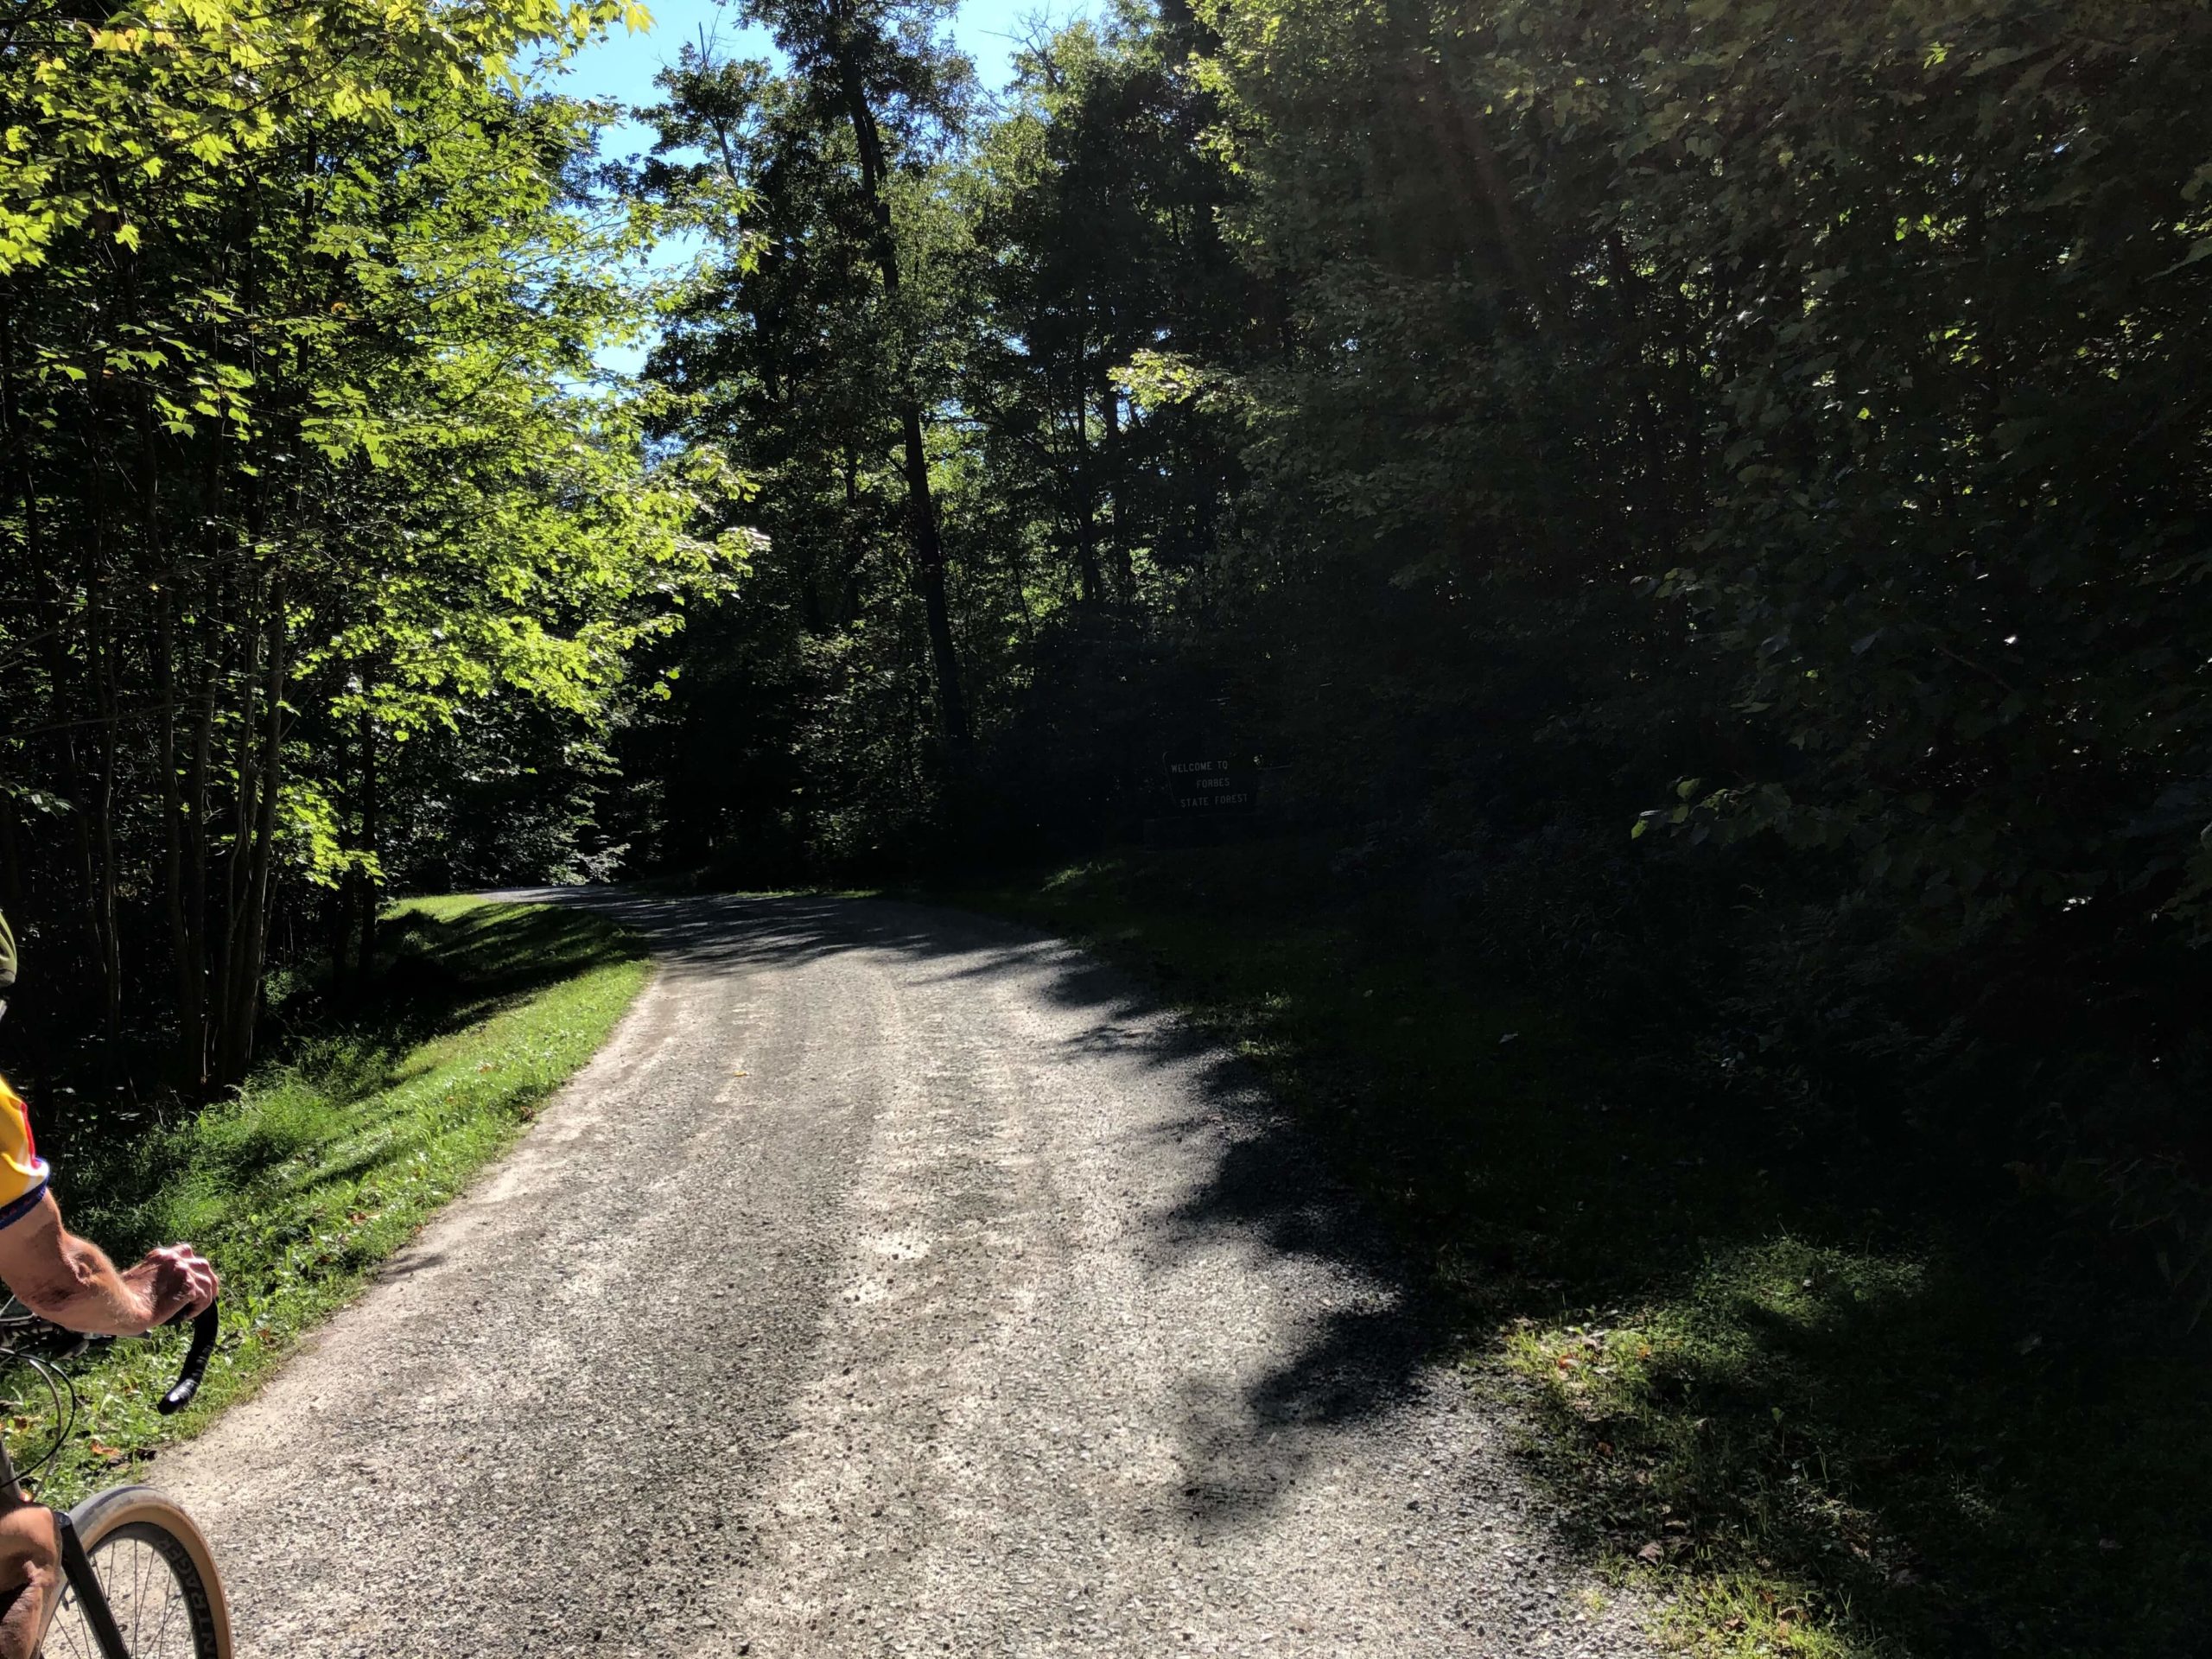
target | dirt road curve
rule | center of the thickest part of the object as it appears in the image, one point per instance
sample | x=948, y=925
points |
x=895, y=1281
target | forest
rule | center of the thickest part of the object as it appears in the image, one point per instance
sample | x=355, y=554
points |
x=1696, y=509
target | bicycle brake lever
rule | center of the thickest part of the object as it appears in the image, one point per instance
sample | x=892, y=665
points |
x=195, y=1363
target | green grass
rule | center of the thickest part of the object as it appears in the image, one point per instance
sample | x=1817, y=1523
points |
x=375, y=1113
x=1827, y=1395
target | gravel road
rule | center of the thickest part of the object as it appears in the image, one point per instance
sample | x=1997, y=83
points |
x=895, y=1281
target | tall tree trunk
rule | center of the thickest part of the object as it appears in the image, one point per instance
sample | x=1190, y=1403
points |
x=99, y=664
x=52, y=621
x=259, y=843
x=338, y=908
x=238, y=861
x=192, y=959
x=172, y=827
x=929, y=567
x=1109, y=414
x=929, y=550
x=196, y=964
x=237, y=976
x=183, y=783
x=370, y=829
x=1086, y=500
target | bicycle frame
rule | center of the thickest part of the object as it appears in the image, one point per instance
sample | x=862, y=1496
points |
x=91, y=1600
x=77, y=1573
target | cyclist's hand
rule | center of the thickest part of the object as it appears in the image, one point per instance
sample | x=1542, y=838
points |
x=177, y=1280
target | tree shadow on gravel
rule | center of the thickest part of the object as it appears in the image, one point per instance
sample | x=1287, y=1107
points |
x=1271, y=1188
x=1844, y=1399
x=1845, y=1391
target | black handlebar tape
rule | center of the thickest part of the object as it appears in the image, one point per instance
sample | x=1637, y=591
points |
x=195, y=1363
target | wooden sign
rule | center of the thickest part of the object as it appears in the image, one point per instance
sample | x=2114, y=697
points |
x=1210, y=783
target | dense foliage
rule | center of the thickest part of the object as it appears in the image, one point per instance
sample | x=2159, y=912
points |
x=1696, y=512
x=1707, y=496
x=1608, y=461
x=301, y=468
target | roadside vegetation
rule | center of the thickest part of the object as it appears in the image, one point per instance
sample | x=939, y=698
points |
x=374, y=1110
x=1828, y=1390
x=1687, y=521
x=326, y=550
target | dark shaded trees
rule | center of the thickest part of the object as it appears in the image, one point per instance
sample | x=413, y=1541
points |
x=1776, y=427
x=819, y=342
x=880, y=70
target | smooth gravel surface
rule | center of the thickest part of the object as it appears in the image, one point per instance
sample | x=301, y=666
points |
x=895, y=1281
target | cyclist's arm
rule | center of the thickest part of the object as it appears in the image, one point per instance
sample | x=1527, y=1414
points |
x=70, y=1281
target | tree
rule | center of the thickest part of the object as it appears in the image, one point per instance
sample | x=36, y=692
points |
x=1099, y=246
x=297, y=440
x=879, y=67
x=797, y=347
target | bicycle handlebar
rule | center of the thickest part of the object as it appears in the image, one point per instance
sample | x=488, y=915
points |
x=65, y=1344
x=195, y=1363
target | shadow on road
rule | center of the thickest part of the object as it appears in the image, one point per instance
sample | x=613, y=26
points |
x=1267, y=1191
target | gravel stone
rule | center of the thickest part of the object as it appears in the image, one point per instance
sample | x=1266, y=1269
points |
x=896, y=1281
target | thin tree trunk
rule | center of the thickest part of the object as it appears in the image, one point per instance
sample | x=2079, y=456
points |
x=11, y=858
x=1109, y=411
x=247, y=963
x=1086, y=519
x=929, y=550
x=225, y=978
x=370, y=829
x=179, y=811
x=173, y=830
x=194, y=1036
x=237, y=976
x=12, y=887
x=52, y=621
x=855, y=546
x=99, y=664
x=110, y=908
x=191, y=961
x=338, y=910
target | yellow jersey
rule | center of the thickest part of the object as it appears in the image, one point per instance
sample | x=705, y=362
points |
x=22, y=1172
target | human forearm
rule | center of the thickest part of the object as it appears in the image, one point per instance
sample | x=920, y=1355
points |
x=90, y=1295
x=70, y=1281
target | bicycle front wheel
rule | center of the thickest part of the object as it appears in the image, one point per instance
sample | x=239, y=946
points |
x=158, y=1576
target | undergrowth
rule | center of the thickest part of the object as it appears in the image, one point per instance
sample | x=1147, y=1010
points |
x=1825, y=1385
x=373, y=1113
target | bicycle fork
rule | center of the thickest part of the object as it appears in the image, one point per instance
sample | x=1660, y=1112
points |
x=85, y=1585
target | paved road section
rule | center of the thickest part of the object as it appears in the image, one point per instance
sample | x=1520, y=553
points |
x=896, y=1281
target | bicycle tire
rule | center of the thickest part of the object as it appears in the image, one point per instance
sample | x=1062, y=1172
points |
x=159, y=1577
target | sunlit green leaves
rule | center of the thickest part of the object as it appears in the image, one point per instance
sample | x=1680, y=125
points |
x=309, y=455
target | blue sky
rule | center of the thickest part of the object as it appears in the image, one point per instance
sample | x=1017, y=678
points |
x=623, y=66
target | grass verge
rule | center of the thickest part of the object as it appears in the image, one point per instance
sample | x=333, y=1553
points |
x=1824, y=1395
x=374, y=1114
